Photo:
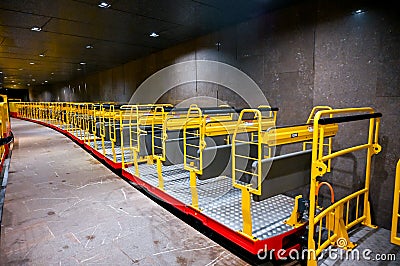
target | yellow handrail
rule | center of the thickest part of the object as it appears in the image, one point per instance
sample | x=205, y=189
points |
x=333, y=216
x=394, y=238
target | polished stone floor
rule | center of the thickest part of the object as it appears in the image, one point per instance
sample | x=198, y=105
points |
x=63, y=207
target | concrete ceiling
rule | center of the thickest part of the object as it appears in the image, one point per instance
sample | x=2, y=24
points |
x=78, y=37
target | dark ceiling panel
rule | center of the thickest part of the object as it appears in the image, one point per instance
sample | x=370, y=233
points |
x=21, y=20
x=119, y=31
x=118, y=34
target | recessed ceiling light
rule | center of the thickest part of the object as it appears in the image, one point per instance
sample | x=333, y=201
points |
x=1, y=72
x=6, y=77
x=19, y=83
x=78, y=69
x=20, y=69
x=52, y=73
x=33, y=80
x=41, y=55
x=359, y=11
x=82, y=63
x=42, y=83
x=154, y=35
x=104, y=4
x=12, y=81
x=89, y=46
x=32, y=63
x=45, y=81
x=36, y=28
x=28, y=84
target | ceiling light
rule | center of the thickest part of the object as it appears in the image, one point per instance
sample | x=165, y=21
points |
x=19, y=83
x=82, y=63
x=12, y=81
x=78, y=69
x=42, y=83
x=41, y=55
x=45, y=81
x=36, y=28
x=359, y=11
x=31, y=63
x=1, y=72
x=89, y=46
x=20, y=69
x=28, y=84
x=5, y=77
x=104, y=4
x=52, y=73
x=33, y=80
x=154, y=35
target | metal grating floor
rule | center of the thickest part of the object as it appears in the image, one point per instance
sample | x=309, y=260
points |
x=108, y=150
x=221, y=202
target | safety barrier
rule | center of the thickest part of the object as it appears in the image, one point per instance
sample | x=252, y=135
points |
x=394, y=238
x=335, y=219
x=5, y=126
x=129, y=135
x=251, y=163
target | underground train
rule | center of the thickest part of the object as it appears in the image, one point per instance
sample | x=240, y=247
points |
x=236, y=172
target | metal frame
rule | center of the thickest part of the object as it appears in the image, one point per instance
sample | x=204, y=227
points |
x=394, y=238
x=332, y=218
x=335, y=218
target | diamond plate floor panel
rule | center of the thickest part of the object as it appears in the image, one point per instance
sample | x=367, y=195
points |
x=220, y=201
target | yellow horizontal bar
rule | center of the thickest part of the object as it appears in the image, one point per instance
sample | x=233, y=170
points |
x=336, y=204
x=245, y=157
x=344, y=151
x=356, y=221
x=245, y=172
x=191, y=145
x=246, y=142
x=192, y=157
x=325, y=244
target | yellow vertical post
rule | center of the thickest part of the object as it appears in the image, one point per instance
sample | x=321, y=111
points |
x=135, y=161
x=340, y=228
x=159, y=173
x=312, y=260
x=395, y=216
x=246, y=212
x=370, y=152
x=193, y=188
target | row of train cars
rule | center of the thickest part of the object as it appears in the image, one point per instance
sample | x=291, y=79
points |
x=219, y=167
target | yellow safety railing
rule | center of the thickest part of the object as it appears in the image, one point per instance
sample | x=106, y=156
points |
x=136, y=118
x=5, y=127
x=394, y=238
x=193, y=143
x=336, y=219
x=126, y=152
x=112, y=130
x=237, y=172
x=88, y=116
x=258, y=146
x=129, y=121
x=95, y=120
x=328, y=143
x=103, y=115
x=158, y=132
